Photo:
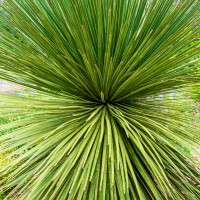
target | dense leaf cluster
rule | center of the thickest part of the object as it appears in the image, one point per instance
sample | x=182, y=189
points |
x=99, y=134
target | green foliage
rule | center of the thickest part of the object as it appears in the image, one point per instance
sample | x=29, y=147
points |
x=2, y=196
x=100, y=129
x=3, y=160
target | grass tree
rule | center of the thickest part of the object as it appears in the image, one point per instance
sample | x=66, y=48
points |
x=97, y=128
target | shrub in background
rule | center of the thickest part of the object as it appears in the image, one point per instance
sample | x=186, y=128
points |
x=100, y=135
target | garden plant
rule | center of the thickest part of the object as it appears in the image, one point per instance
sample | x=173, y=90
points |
x=96, y=127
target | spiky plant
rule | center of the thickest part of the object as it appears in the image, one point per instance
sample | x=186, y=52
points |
x=96, y=127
